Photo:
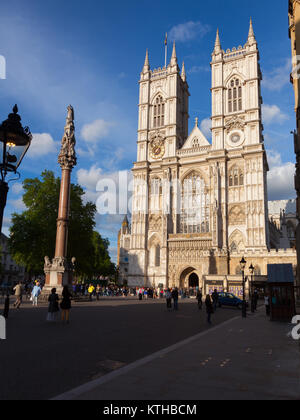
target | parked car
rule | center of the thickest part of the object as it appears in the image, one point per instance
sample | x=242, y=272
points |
x=228, y=299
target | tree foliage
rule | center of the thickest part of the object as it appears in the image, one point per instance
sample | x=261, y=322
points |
x=33, y=233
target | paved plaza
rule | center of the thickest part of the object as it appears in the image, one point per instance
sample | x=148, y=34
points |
x=40, y=360
x=251, y=359
x=120, y=349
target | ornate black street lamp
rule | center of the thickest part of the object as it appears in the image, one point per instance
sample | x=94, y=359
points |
x=244, y=307
x=251, y=269
x=14, y=143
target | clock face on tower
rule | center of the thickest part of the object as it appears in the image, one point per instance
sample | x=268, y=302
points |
x=235, y=138
x=157, y=148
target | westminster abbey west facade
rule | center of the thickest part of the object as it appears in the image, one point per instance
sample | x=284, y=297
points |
x=198, y=208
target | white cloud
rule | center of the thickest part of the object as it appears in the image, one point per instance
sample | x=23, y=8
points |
x=205, y=127
x=17, y=188
x=273, y=114
x=188, y=31
x=89, y=178
x=95, y=131
x=280, y=177
x=121, y=75
x=17, y=204
x=6, y=222
x=198, y=69
x=279, y=77
x=41, y=145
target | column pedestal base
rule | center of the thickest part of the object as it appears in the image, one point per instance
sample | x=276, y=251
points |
x=58, y=274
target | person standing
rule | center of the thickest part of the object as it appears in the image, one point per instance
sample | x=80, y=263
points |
x=53, y=308
x=175, y=297
x=199, y=299
x=256, y=297
x=91, y=291
x=215, y=298
x=66, y=305
x=209, y=308
x=169, y=299
x=36, y=291
x=98, y=291
x=18, y=293
x=267, y=305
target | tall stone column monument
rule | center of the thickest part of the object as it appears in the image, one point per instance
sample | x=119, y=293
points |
x=59, y=271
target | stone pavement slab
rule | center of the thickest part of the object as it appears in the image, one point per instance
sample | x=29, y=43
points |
x=242, y=359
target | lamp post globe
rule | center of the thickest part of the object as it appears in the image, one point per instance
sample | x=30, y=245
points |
x=243, y=263
x=15, y=141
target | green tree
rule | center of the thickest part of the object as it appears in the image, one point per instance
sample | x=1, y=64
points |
x=102, y=264
x=33, y=233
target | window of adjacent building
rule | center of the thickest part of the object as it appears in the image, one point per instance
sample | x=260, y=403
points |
x=159, y=112
x=195, y=206
x=291, y=231
x=236, y=177
x=235, y=102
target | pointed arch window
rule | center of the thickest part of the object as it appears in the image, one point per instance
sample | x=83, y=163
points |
x=236, y=177
x=235, y=99
x=158, y=112
x=195, y=204
x=156, y=187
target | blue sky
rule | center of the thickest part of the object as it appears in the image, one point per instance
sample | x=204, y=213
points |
x=90, y=54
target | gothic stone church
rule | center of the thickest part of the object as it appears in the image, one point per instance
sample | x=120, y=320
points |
x=222, y=191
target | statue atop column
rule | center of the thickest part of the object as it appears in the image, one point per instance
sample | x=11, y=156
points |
x=67, y=156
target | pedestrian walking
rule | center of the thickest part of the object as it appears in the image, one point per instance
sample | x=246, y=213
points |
x=169, y=299
x=267, y=305
x=209, y=308
x=6, y=306
x=175, y=297
x=91, y=290
x=98, y=292
x=36, y=291
x=18, y=293
x=66, y=305
x=53, y=308
x=215, y=298
x=199, y=299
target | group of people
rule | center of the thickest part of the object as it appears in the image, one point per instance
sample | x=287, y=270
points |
x=96, y=291
x=54, y=305
x=32, y=292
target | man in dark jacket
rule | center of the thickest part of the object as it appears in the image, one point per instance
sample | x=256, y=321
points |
x=199, y=299
x=175, y=296
x=209, y=308
x=215, y=298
